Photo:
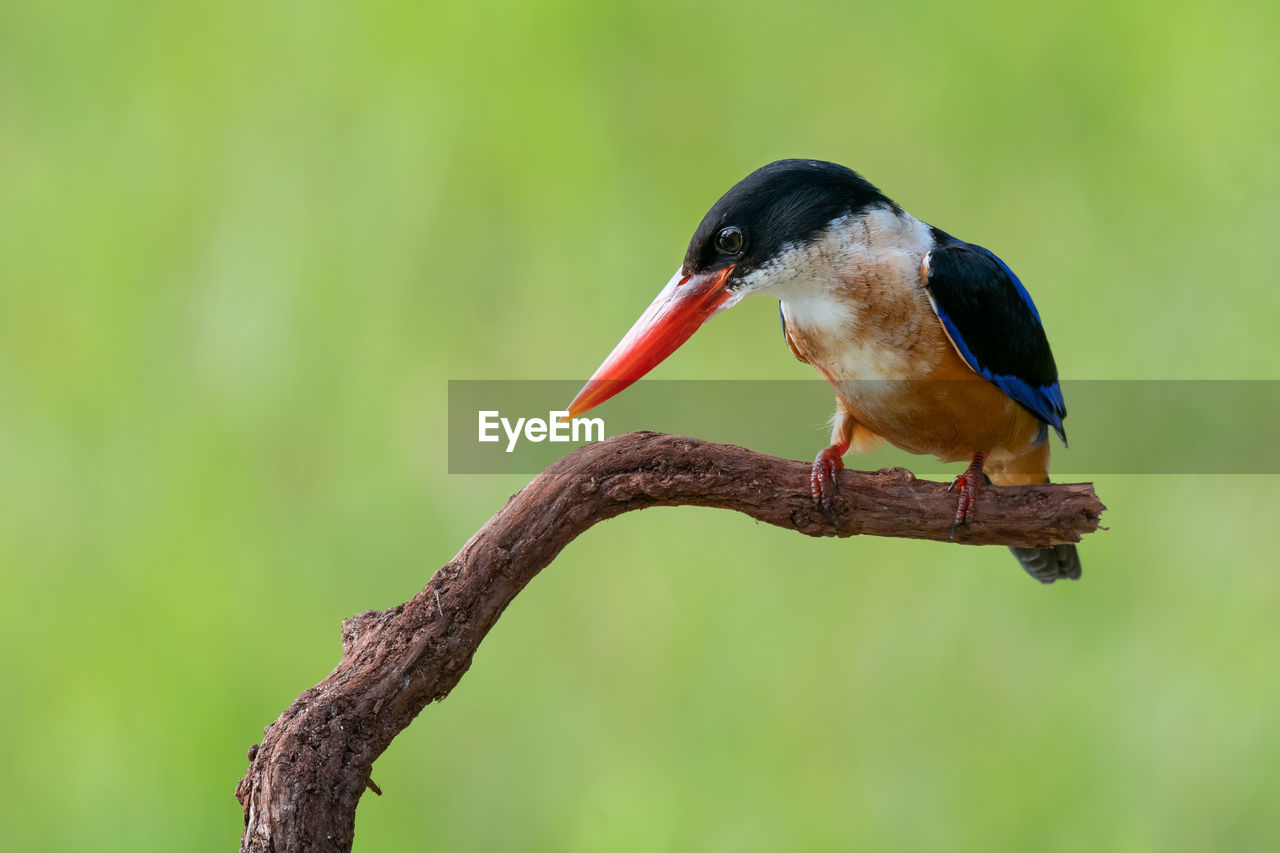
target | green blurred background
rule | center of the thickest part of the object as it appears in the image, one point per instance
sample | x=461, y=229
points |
x=243, y=247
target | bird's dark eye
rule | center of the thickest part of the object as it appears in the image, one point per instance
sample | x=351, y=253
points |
x=729, y=240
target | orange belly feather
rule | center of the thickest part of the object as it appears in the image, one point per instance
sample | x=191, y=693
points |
x=897, y=376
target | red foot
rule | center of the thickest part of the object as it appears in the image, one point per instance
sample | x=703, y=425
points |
x=822, y=478
x=969, y=482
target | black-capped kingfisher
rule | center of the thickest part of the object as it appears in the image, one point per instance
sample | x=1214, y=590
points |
x=929, y=342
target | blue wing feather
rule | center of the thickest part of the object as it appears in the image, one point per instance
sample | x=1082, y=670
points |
x=995, y=327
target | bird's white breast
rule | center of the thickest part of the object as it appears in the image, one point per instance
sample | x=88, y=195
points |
x=852, y=298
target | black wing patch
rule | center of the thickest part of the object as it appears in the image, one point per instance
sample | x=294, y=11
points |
x=994, y=325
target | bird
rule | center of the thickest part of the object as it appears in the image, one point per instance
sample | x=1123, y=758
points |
x=929, y=342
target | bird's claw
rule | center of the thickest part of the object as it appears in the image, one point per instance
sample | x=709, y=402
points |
x=823, y=485
x=830, y=513
x=969, y=482
x=964, y=508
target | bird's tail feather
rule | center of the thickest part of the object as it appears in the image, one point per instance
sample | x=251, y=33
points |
x=1049, y=564
x=1044, y=564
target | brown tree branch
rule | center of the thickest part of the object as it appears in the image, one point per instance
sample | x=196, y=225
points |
x=304, y=781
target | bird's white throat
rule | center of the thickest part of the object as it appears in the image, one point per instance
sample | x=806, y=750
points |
x=828, y=286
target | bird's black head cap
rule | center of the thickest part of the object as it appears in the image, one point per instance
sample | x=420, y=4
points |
x=787, y=201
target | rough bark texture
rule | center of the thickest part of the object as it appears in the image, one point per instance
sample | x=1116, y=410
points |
x=305, y=779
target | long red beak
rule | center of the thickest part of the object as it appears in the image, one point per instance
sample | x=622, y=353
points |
x=684, y=304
